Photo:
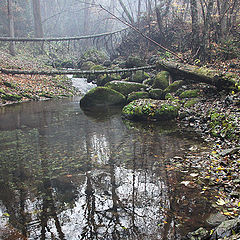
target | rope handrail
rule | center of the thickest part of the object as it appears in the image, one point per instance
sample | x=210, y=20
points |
x=79, y=72
x=10, y=39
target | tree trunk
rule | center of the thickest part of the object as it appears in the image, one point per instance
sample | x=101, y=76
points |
x=194, y=73
x=195, y=27
x=126, y=11
x=11, y=27
x=37, y=19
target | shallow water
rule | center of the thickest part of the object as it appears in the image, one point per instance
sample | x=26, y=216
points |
x=66, y=174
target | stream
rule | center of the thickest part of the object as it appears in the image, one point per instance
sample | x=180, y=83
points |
x=69, y=174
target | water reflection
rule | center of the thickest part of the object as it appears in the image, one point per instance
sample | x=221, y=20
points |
x=66, y=175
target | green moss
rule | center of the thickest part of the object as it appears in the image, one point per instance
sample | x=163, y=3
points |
x=2, y=91
x=157, y=94
x=161, y=80
x=174, y=86
x=147, y=109
x=139, y=77
x=11, y=97
x=137, y=95
x=104, y=79
x=102, y=96
x=223, y=125
x=97, y=68
x=125, y=87
x=191, y=102
x=87, y=65
x=190, y=94
x=169, y=96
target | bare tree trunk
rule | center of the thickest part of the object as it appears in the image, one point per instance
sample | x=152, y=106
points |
x=130, y=18
x=37, y=19
x=11, y=27
x=195, y=26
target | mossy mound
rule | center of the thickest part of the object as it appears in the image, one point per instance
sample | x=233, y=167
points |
x=11, y=97
x=97, y=68
x=125, y=87
x=137, y=95
x=104, y=79
x=161, y=80
x=134, y=61
x=87, y=65
x=157, y=94
x=148, y=109
x=190, y=94
x=191, y=102
x=102, y=96
x=139, y=77
x=174, y=86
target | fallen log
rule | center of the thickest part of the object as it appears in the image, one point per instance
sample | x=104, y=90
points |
x=213, y=77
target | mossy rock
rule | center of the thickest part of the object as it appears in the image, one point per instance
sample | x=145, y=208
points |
x=87, y=65
x=161, y=80
x=137, y=95
x=157, y=94
x=134, y=61
x=104, y=79
x=190, y=94
x=149, y=109
x=11, y=97
x=191, y=102
x=148, y=82
x=169, y=96
x=97, y=68
x=102, y=96
x=139, y=77
x=125, y=87
x=174, y=86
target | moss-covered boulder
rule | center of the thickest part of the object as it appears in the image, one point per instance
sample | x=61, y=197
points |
x=102, y=96
x=139, y=77
x=157, y=94
x=149, y=109
x=191, y=102
x=190, y=94
x=161, y=80
x=97, y=68
x=87, y=65
x=134, y=61
x=104, y=79
x=137, y=95
x=126, y=87
x=174, y=86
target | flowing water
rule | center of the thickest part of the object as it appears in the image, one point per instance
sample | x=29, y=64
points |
x=69, y=174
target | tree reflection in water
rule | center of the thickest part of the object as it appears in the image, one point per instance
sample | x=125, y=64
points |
x=65, y=175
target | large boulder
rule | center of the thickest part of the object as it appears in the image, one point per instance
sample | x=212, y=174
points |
x=161, y=80
x=126, y=87
x=102, y=96
x=149, y=109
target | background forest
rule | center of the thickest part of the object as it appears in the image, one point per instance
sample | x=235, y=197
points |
x=207, y=29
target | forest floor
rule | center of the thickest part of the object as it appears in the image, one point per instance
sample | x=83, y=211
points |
x=22, y=88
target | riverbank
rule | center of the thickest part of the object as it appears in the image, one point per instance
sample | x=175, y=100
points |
x=22, y=88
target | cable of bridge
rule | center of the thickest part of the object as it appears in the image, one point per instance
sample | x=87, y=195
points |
x=78, y=72
x=9, y=39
